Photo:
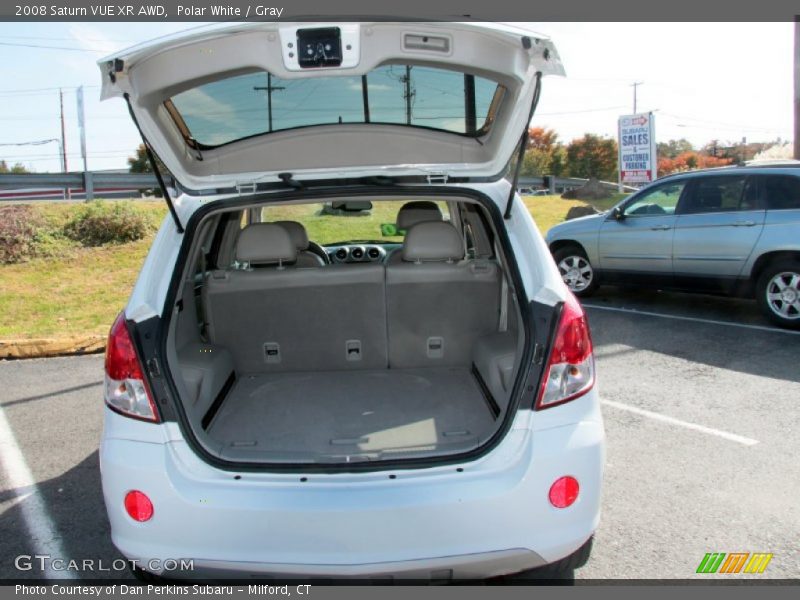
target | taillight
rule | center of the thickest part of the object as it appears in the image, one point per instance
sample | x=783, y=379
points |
x=125, y=389
x=570, y=370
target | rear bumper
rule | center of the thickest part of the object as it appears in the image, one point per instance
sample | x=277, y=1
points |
x=491, y=518
x=446, y=568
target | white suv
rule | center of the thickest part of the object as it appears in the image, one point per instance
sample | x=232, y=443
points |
x=349, y=352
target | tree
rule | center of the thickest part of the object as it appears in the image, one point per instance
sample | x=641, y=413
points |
x=778, y=151
x=673, y=148
x=738, y=152
x=15, y=168
x=592, y=156
x=141, y=164
x=542, y=139
x=545, y=155
x=687, y=161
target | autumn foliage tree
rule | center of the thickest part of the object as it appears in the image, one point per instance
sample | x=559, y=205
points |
x=687, y=161
x=544, y=155
x=592, y=156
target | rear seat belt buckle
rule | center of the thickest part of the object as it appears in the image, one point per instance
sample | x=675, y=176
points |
x=272, y=353
x=352, y=350
x=435, y=347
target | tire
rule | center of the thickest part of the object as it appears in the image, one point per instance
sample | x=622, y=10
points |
x=572, y=264
x=778, y=293
x=562, y=571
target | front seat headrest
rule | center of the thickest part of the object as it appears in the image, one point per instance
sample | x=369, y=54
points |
x=432, y=241
x=297, y=232
x=265, y=244
x=418, y=211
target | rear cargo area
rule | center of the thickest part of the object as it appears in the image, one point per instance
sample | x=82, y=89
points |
x=312, y=415
x=413, y=356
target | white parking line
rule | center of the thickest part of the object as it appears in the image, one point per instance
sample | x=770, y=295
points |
x=694, y=319
x=41, y=529
x=739, y=439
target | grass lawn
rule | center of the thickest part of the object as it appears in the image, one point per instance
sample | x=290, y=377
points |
x=77, y=290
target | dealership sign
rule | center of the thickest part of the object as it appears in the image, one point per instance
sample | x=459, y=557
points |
x=637, y=148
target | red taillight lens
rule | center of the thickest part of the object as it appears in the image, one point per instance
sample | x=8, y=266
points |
x=570, y=370
x=125, y=387
x=138, y=506
x=564, y=491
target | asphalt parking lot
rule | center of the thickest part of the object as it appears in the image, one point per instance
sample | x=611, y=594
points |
x=702, y=407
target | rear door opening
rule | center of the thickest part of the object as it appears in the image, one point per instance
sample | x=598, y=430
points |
x=411, y=355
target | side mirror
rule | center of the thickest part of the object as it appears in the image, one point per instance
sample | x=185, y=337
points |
x=619, y=215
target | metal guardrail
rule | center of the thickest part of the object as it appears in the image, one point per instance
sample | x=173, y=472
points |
x=560, y=184
x=87, y=183
x=78, y=183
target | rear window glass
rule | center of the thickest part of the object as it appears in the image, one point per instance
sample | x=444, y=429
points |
x=325, y=224
x=782, y=192
x=238, y=107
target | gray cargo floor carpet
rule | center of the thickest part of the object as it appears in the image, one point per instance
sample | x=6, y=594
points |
x=345, y=413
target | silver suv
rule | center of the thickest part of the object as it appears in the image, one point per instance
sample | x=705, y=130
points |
x=734, y=230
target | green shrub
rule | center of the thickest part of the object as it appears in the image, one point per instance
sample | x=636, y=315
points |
x=18, y=229
x=97, y=223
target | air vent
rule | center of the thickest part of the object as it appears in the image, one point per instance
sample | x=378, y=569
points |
x=357, y=253
x=341, y=254
x=374, y=253
x=427, y=43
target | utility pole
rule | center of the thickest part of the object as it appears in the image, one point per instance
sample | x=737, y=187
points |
x=65, y=166
x=269, y=89
x=634, y=85
x=797, y=87
x=408, y=94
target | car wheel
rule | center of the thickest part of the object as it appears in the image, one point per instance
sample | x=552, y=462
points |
x=576, y=270
x=778, y=293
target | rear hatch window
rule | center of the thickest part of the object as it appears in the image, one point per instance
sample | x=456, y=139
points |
x=244, y=106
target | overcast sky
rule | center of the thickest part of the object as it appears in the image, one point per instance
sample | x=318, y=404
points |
x=705, y=81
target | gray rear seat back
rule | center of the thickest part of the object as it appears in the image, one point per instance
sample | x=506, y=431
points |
x=409, y=215
x=300, y=319
x=297, y=232
x=434, y=299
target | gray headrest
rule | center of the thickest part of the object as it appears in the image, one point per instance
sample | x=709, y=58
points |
x=265, y=244
x=297, y=232
x=419, y=211
x=432, y=241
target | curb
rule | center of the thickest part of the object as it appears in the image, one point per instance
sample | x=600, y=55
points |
x=45, y=347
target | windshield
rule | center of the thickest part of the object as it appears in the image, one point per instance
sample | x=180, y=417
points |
x=239, y=107
x=326, y=224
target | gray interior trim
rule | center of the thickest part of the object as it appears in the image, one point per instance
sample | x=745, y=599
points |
x=433, y=241
x=418, y=211
x=325, y=415
x=448, y=316
x=265, y=243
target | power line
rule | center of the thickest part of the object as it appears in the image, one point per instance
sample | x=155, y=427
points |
x=574, y=112
x=736, y=126
x=49, y=47
x=66, y=39
x=31, y=143
x=12, y=93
